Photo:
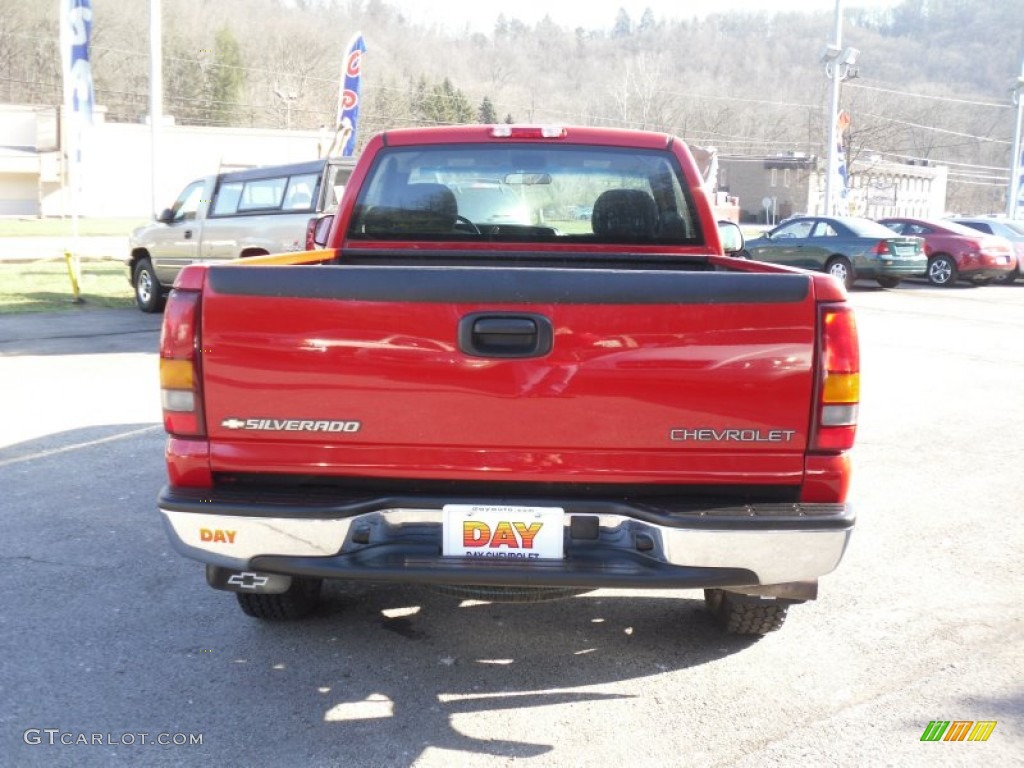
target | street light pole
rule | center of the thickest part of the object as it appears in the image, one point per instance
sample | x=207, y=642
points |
x=155, y=98
x=1015, y=164
x=288, y=99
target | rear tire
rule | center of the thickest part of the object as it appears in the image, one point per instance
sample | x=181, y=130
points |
x=942, y=271
x=744, y=614
x=889, y=282
x=297, y=602
x=149, y=294
x=841, y=268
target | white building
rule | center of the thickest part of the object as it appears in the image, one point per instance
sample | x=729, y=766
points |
x=117, y=165
x=771, y=188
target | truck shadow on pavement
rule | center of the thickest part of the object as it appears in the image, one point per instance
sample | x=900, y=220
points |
x=440, y=668
x=380, y=675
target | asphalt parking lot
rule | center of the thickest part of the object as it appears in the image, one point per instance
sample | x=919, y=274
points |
x=106, y=631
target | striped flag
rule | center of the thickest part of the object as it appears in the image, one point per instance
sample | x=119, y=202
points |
x=841, y=172
x=348, y=95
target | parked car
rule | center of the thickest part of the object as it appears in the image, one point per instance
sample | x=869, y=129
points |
x=1008, y=228
x=956, y=252
x=847, y=247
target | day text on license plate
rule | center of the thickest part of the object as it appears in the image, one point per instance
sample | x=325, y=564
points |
x=500, y=532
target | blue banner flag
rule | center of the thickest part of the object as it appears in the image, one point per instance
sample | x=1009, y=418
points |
x=75, y=31
x=75, y=24
x=348, y=95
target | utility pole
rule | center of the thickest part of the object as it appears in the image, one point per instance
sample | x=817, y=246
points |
x=1015, y=163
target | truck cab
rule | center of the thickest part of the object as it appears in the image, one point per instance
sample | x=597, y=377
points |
x=231, y=215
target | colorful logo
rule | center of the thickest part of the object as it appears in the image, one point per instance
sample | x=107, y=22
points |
x=958, y=730
x=514, y=535
x=355, y=60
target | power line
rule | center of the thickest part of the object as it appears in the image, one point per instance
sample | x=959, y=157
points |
x=936, y=130
x=944, y=99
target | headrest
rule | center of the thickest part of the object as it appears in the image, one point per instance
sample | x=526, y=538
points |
x=420, y=209
x=625, y=214
x=435, y=201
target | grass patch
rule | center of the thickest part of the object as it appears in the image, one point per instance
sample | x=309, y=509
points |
x=56, y=227
x=44, y=286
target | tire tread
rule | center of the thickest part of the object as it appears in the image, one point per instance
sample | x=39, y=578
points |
x=297, y=602
x=746, y=615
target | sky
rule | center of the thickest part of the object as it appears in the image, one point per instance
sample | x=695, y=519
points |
x=481, y=14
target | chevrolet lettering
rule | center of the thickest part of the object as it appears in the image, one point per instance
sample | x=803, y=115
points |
x=709, y=435
x=573, y=382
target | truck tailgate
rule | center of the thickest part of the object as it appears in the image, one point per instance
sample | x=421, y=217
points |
x=518, y=374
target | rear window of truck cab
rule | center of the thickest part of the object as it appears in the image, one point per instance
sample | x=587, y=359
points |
x=526, y=192
x=287, y=193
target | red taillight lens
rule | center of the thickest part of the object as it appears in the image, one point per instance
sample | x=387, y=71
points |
x=839, y=389
x=180, y=386
x=310, y=232
x=882, y=248
x=506, y=131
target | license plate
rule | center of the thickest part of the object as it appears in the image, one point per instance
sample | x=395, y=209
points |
x=505, y=533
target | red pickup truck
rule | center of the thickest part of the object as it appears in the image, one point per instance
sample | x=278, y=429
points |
x=473, y=387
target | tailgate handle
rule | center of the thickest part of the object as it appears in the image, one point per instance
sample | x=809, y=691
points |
x=505, y=334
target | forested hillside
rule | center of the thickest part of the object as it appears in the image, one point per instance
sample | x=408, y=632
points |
x=933, y=78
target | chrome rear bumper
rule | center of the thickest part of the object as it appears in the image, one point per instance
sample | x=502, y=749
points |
x=740, y=546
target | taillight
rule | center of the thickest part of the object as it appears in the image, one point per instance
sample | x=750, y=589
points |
x=180, y=387
x=310, y=233
x=506, y=131
x=882, y=248
x=839, y=387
